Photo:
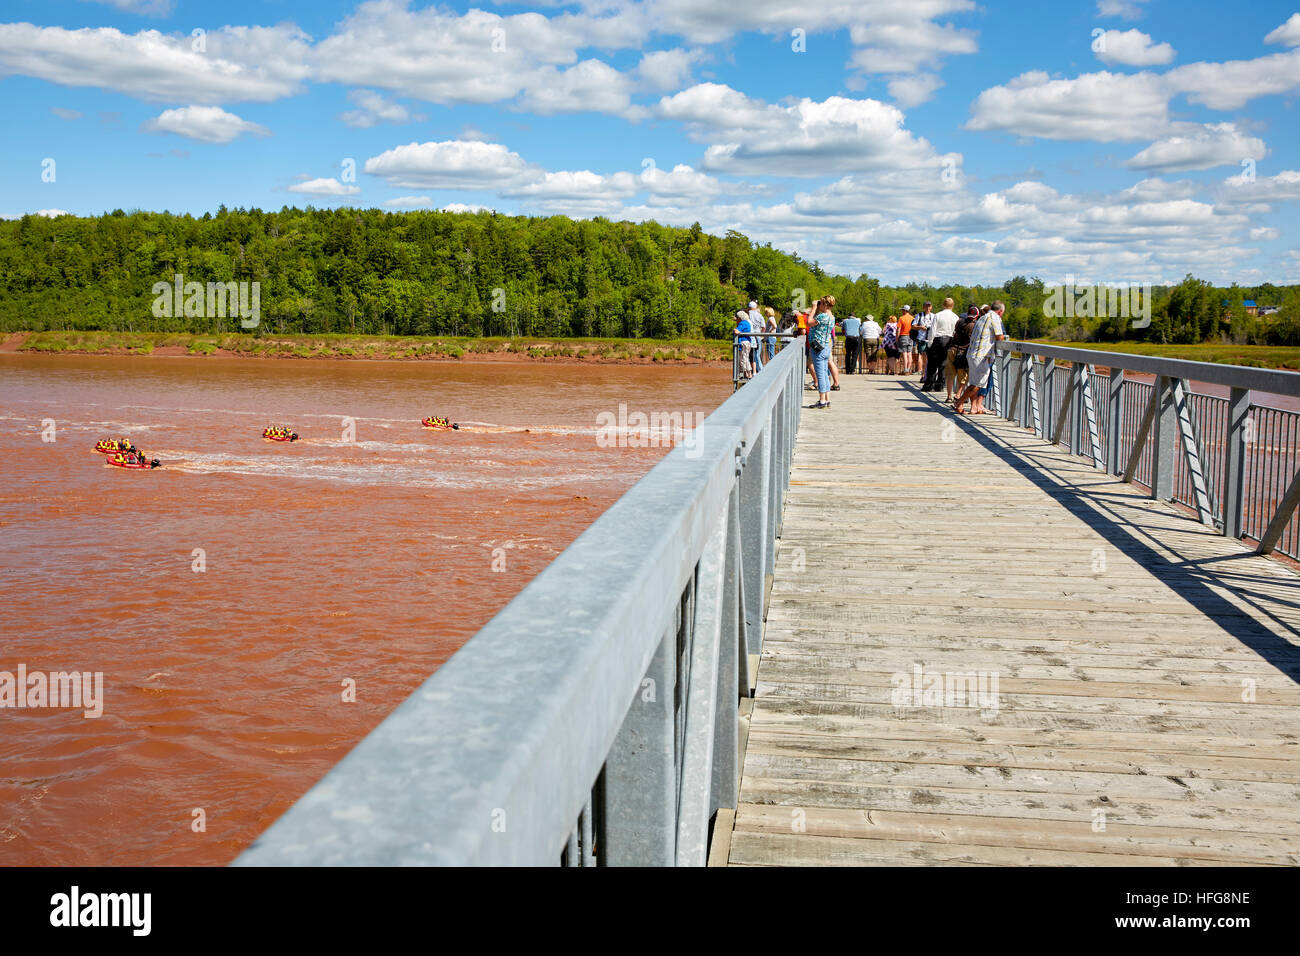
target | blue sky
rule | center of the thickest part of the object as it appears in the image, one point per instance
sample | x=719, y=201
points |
x=942, y=140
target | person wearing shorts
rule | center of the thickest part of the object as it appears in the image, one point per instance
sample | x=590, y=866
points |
x=921, y=332
x=906, y=348
x=889, y=340
x=870, y=343
x=906, y=343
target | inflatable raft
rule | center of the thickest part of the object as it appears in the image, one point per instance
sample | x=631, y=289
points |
x=143, y=464
x=439, y=423
x=279, y=434
x=111, y=446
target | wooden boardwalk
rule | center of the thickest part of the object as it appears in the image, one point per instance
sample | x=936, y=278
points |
x=1147, y=709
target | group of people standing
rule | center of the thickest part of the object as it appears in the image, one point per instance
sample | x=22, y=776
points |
x=752, y=347
x=946, y=351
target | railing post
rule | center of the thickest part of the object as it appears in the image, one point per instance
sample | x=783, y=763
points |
x=753, y=534
x=639, y=825
x=709, y=703
x=1049, y=396
x=1026, y=407
x=772, y=499
x=1234, y=465
x=1165, y=426
x=1115, y=421
x=1004, y=385
x=1077, y=371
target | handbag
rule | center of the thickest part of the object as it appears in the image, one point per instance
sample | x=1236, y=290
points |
x=959, y=358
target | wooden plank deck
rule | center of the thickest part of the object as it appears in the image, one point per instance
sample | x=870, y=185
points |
x=1147, y=708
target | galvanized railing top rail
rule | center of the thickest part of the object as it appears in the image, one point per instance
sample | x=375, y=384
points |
x=594, y=719
x=1235, y=464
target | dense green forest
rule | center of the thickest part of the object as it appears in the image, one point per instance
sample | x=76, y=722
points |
x=483, y=274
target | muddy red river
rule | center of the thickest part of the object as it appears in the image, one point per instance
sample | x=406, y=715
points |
x=233, y=598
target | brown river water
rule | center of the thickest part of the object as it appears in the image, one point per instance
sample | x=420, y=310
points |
x=323, y=562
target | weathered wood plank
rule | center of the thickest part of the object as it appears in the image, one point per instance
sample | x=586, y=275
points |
x=1148, y=669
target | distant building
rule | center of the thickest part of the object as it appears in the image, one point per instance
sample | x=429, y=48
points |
x=1250, y=307
x=1269, y=310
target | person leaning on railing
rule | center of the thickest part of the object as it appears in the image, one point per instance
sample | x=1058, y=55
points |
x=979, y=358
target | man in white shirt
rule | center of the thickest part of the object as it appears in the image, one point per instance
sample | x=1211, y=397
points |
x=942, y=326
x=756, y=323
x=871, y=333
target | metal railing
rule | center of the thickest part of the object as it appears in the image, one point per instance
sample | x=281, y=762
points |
x=1233, y=462
x=594, y=720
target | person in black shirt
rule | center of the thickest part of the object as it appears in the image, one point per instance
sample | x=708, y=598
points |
x=957, y=352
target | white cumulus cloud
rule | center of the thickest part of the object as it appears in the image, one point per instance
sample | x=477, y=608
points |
x=1131, y=48
x=234, y=64
x=452, y=164
x=1288, y=34
x=1199, y=147
x=206, y=124
x=324, y=187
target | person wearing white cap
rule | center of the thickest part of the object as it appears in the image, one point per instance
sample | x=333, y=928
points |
x=756, y=323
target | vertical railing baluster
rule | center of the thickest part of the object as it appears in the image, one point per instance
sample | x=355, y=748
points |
x=640, y=820
x=1077, y=372
x=771, y=499
x=1026, y=404
x=1164, y=432
x=753, y=529
x=1115, y=422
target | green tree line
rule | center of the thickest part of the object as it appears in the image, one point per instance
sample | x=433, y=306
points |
x=375, y=272
x=478, y=274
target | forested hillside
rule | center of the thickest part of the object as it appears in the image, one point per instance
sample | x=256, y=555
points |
x=483, y=274
x=412, y=273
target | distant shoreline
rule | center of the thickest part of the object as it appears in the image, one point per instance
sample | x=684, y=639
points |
x=357, y=348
